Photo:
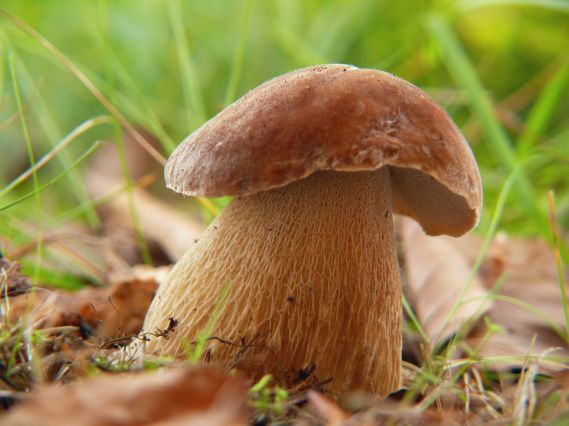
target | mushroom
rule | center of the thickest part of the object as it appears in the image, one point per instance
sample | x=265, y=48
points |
x=318, y=160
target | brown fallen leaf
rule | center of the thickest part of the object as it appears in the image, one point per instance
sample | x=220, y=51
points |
x=108, y=162
x=326, y=409
x=12, y=281
x=201, y=395
x=111, y=312
x=436, y=275
x=173, y=231
x=527, y=305
x=381, y=412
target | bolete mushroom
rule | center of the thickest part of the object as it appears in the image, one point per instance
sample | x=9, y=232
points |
x=318, y=160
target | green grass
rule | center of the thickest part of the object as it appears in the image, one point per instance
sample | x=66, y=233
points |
x=36, y=183
x=237, y=63
x=76, y=72
x=559, y=263
x=542, y=112
x=196, y=351
x=39, y=188
x=194, y=103
x=196, y=59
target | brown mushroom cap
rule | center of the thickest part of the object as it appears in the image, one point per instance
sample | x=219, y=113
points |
x=336, y=117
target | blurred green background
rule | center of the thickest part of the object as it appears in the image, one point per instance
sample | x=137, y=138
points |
x=500, y=68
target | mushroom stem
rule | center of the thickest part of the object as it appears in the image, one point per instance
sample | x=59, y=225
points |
x=314, y=280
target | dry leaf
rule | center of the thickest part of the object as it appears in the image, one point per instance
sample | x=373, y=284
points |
x=200, y=396
x=370, y=411
x=530, y=278
x=436, y=275
x=326, y=409
x=437, y=267
x=107, y=162
x=12, y=281
x=173, y=231
x=112, y=312
x=387, y=413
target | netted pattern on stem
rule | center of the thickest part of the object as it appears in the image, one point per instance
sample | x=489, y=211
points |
x=314, y=279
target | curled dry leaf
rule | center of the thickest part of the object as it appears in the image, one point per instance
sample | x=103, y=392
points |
x=436, y=274
x=200, y=396
x=112, y=312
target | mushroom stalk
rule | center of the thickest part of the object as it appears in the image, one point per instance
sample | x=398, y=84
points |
x=314, y=280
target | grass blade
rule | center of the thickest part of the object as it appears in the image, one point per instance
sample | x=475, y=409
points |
x=43, y=114
x=413, y=318
x=203, y=335
x=31, y=157
x=54, y=180
x=237, y=64
x=87, y=83
x=504, y=193
x=194, y=101
x=145, y=252
x=137, y=105
x=559, y=262
x=25, y=131
x=543, y=109
x=84, y=127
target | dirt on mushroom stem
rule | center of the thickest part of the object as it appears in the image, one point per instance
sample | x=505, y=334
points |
x=314, y=279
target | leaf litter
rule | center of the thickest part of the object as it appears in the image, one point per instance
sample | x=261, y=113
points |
x=172, y=231
x=200, y=395
x=12, y=281
x=516, y=289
